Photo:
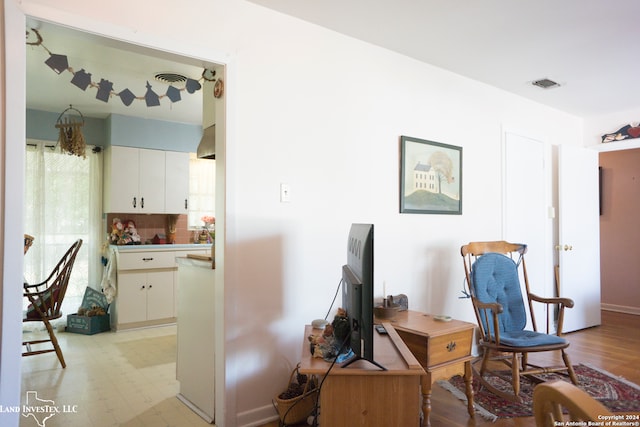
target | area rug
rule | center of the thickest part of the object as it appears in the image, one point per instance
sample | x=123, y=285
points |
x=615, y=393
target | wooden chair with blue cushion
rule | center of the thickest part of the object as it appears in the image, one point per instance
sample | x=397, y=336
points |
x=45, y=300
x=492, y=271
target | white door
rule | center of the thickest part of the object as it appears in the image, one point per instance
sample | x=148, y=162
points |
x=579, y=235
x=526, y=220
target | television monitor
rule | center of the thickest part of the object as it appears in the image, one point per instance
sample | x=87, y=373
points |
x=357, y=292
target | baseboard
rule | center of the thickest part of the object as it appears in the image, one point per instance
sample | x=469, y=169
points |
x=257, y=417
x=620, y=309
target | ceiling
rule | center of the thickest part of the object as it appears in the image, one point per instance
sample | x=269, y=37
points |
x=587, y=46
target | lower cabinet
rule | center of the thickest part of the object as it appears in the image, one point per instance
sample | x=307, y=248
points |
x=147, y=291
x=145, y=296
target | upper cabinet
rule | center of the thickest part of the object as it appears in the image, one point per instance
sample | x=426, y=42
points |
x=138, y=180
x=176, y=182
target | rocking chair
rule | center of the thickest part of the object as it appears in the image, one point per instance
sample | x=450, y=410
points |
x=492, y=277
x=46, y=301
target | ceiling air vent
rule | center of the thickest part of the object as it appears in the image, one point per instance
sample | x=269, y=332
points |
x=169, y=78
x=545, y=83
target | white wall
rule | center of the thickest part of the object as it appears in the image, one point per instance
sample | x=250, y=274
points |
x=324, y=113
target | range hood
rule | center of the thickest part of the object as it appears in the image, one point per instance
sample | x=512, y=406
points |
x=207, y=147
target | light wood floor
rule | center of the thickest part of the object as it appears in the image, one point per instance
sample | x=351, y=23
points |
x=614, y=346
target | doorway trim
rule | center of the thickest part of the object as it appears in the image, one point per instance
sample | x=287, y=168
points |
x=15, y=16
x=536, y=227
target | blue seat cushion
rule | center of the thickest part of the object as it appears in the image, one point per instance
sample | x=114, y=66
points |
x=529, y=339
x=495, y=279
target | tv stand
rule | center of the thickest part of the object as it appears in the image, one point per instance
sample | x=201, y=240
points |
x=377, y=398
x=356, y=358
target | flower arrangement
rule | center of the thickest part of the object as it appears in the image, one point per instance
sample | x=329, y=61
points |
x=208, y=220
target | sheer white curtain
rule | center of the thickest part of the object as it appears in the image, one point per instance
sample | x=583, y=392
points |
x=63, y=203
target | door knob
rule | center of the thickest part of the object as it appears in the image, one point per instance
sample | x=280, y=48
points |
x=568, y=247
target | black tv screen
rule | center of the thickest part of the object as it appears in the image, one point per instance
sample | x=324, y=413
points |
x=357, y=289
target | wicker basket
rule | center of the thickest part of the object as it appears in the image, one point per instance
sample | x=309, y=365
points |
x=297, y=409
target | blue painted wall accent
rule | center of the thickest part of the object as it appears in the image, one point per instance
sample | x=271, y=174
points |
x=120, y=130
x=154, y=134
x=41, y=125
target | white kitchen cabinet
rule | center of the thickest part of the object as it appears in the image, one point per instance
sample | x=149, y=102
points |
x=145, y=297
x=145, y=288
x=131, y=303
x=147, y=284
x=120, y=179
x=151, y=186
x=138, y=180
x=176, y=182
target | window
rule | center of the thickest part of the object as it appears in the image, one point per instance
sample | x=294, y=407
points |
x=202, y=190
x=63, y=203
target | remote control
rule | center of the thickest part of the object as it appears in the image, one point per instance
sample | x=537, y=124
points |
x=381, y=329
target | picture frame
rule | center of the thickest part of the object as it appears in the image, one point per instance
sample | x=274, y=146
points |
x=430, y=177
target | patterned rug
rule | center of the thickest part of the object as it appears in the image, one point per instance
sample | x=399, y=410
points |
x=617, y=394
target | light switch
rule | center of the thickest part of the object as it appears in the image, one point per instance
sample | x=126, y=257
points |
x=285, y=193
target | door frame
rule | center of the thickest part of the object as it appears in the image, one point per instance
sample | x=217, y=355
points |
x=14, y=118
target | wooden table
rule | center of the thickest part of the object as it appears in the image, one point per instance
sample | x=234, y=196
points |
x=442, y=348
x=362, y=394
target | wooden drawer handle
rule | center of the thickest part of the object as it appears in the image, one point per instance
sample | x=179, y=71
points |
x=451, y=346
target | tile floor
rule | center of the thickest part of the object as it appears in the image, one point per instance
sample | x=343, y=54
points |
x=125, y=379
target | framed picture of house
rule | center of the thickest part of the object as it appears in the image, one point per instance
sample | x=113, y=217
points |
x=430, y=177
